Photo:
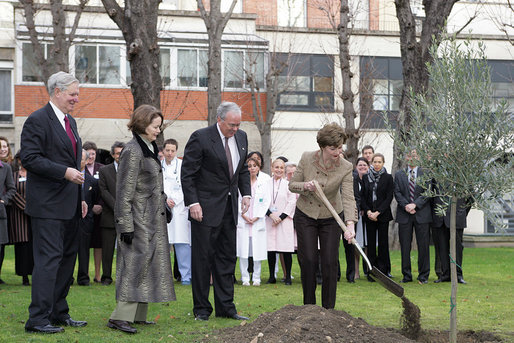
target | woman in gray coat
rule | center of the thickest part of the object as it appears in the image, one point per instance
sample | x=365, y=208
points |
x=143, y=267
x=7, y=192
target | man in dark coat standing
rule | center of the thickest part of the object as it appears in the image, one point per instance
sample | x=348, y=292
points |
x=50, y=151
x=213, y=170
x=414, y=212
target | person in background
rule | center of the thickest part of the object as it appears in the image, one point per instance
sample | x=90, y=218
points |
x=362, y=169
x=367, y=152
x=7, y=192
x=107, y=185
x=376, y=204
x=251, y=227
x=179, y=229
x=5, y=151
x=20, y=233
x=414, y=211
x=313, y=221
x=93, y=168
x=86, y=224
x=143, y=265
x=51, y=153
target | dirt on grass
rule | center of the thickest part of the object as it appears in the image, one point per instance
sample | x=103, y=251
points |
x=312, y=324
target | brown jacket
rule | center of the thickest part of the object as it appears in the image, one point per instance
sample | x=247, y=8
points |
x=336, y=182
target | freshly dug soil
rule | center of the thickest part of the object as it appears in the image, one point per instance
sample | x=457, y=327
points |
x=312, y=324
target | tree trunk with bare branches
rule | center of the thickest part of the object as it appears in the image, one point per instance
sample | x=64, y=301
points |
x=58, y=55
x=215, y=23
x=415, y=53
x=138, y=24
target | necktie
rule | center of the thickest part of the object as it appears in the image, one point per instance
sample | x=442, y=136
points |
x=229, y=158
x=70, y=134
x=412, y=185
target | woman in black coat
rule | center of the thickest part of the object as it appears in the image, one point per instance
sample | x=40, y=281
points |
x=376, y=204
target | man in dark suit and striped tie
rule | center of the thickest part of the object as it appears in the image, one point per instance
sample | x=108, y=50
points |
x=414, y=212
x=51, y=153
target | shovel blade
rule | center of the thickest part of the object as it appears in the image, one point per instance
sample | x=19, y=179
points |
x=388, y=283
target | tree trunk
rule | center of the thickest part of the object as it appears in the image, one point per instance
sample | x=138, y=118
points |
x=349, y=115
x=415, y=55
x=138, y=23
x=453, y=270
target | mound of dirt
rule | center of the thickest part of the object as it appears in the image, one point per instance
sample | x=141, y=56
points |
x=314, y=324
x=308, y=323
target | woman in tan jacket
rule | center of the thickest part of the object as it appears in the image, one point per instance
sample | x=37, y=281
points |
x=313, y=221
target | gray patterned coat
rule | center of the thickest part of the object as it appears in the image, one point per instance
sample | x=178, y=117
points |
x=143, y=268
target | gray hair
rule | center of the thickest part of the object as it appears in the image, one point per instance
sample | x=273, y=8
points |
x=226, y=107
x=117, y=144
x=86, y=152
x=60, y=80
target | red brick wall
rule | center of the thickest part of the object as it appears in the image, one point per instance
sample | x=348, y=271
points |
x=317, y=16
x=265, y=9
x=115, y=103
x=374, y=14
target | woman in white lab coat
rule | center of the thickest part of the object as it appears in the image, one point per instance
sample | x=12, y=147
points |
x=251, y=227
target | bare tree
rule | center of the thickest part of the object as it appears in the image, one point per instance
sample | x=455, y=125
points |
x=415, y=53
x=58, y=54
x=215, y=23
x=138, y=24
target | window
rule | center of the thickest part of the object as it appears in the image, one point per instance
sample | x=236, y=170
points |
x=97, y=64
x=6, y=110
x=255, y=68
x=502, y=77
x=239, y=65
x=307, y=83
x=291, y=13
x=192, y=68
x=31, y=72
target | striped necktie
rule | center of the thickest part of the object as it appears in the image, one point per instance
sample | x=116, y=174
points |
x=412, y=185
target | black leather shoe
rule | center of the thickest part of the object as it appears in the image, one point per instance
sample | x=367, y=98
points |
x=2, y=282
x=461, y=280
x=70, y=322
x=405, y=280
x=271, y=280
x=370, y=279
x=106, y=282
x=350, y=280
x=84, y=283
x=202, y=317
x=288, y=282
x=238, y=317
x=121, y=325
x=442, y=280
x=144, y=322
x=422, y=282
x=389, y=275
x=44, y=329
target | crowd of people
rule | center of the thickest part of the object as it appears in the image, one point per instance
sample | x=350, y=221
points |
x=216, y=204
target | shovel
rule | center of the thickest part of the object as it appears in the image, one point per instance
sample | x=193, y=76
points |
x=388, y=283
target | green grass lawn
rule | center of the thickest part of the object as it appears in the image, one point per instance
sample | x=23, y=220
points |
x=485, y=303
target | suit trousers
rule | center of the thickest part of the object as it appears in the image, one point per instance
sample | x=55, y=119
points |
x=328, y=232
x=380, y=261
x=436, y=239
x=130, y=311
x=55, y=245
x=213, y=252
x=444, y=252
x=85, y=232
x=423, y=240
x=108, y=244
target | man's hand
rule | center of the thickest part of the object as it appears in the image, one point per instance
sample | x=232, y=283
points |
x=127, y=237
x=84, y=209
x=170, y=203
x=97, y=209
x=410, y=208
x=245, y=204
x=73, y=175
x=196, y=212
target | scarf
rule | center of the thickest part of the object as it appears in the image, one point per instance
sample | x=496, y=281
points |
x=374, y=178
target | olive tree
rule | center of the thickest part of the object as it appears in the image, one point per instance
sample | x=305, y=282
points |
x=462, y=138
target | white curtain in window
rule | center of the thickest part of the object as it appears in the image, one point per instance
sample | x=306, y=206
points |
x=5, y=90
x=109, y=66
x=186, y=68
x=233, y=71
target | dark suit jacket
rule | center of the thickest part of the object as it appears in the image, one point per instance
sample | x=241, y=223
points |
x=401, y=193
x=384, y=197
x=107, y=186
x=46, y=152
x=91, y=196
x=463, y=208
x=205, y=176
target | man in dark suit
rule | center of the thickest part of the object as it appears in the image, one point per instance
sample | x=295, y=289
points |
x=441, y=226
x=50, y=151
x=213, y=170
x=414, y=212
x=107, y=185
x=86, y=224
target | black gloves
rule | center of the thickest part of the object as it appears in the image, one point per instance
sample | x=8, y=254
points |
x=127, y=237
